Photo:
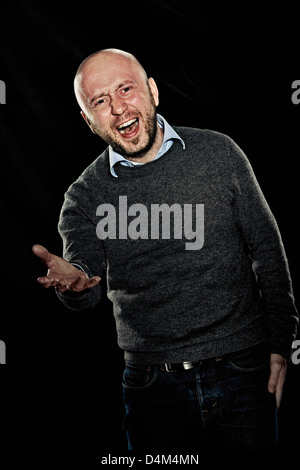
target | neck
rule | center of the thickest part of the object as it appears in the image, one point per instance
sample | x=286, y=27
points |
x=150, y=154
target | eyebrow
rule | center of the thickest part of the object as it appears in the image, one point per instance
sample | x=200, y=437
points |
x=100, y=94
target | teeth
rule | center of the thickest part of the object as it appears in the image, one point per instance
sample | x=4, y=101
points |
x=127, y=124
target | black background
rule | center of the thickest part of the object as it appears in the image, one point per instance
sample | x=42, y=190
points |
x=226, y=66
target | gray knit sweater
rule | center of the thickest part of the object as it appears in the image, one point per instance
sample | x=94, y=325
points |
x=194, y=261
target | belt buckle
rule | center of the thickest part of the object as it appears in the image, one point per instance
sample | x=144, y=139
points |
x=188, y=365
x=181, y=366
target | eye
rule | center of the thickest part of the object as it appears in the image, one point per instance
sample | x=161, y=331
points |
x=126, y=89
x=101, y=102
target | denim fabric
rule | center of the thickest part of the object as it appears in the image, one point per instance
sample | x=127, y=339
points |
x=221, y=404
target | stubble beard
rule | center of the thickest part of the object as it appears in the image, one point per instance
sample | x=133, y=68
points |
x=150, y=122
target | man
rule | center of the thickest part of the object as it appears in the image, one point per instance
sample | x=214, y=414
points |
x=196, y=269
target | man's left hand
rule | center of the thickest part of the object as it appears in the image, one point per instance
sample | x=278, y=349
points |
x=278, y=366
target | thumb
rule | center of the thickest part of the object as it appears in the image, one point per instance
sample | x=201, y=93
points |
x=42, y=253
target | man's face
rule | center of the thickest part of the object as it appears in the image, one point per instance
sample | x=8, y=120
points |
x=120, y=104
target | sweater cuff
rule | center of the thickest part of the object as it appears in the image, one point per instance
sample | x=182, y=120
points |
x=78, y=301
x=281, y=346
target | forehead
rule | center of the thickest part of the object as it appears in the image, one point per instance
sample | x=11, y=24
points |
x=104, y=74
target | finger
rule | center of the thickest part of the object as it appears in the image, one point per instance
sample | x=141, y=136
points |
x=47, y=281
x=61, y=286
x=79, y=284
x=53, y=280
x=274, y=377
x=83, y=282
x=41, y=252
x=278, y=367
x=278, y=395
x=280, y=384
x=93, y=281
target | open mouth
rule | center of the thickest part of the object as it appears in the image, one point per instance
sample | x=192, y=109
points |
x=129, y=128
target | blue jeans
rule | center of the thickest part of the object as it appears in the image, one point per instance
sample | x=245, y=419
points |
x=220, y=404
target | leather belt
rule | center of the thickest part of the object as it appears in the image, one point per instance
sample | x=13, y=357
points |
x=180, y=366
x=184, y=365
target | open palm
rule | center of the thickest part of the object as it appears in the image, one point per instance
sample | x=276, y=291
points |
x=62, y=274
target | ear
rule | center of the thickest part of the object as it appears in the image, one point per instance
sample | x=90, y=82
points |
x=87, y=121
x=154, y=90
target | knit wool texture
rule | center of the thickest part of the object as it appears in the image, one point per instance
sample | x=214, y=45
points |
x=173, y=304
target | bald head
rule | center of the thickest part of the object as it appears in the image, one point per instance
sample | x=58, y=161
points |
x=118, y=102
x=109, y=54
x=98, y=66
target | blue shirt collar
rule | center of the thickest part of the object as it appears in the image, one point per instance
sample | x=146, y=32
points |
x=169, y=136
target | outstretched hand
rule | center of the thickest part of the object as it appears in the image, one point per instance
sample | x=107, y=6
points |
x=62, y=274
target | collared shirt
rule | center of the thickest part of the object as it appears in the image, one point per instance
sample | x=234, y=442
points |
x=169, y=136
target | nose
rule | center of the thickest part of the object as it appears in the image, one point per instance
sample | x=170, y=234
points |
x=118, y=106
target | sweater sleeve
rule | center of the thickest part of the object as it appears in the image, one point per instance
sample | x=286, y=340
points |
x=81, y=245
x=270, y=265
